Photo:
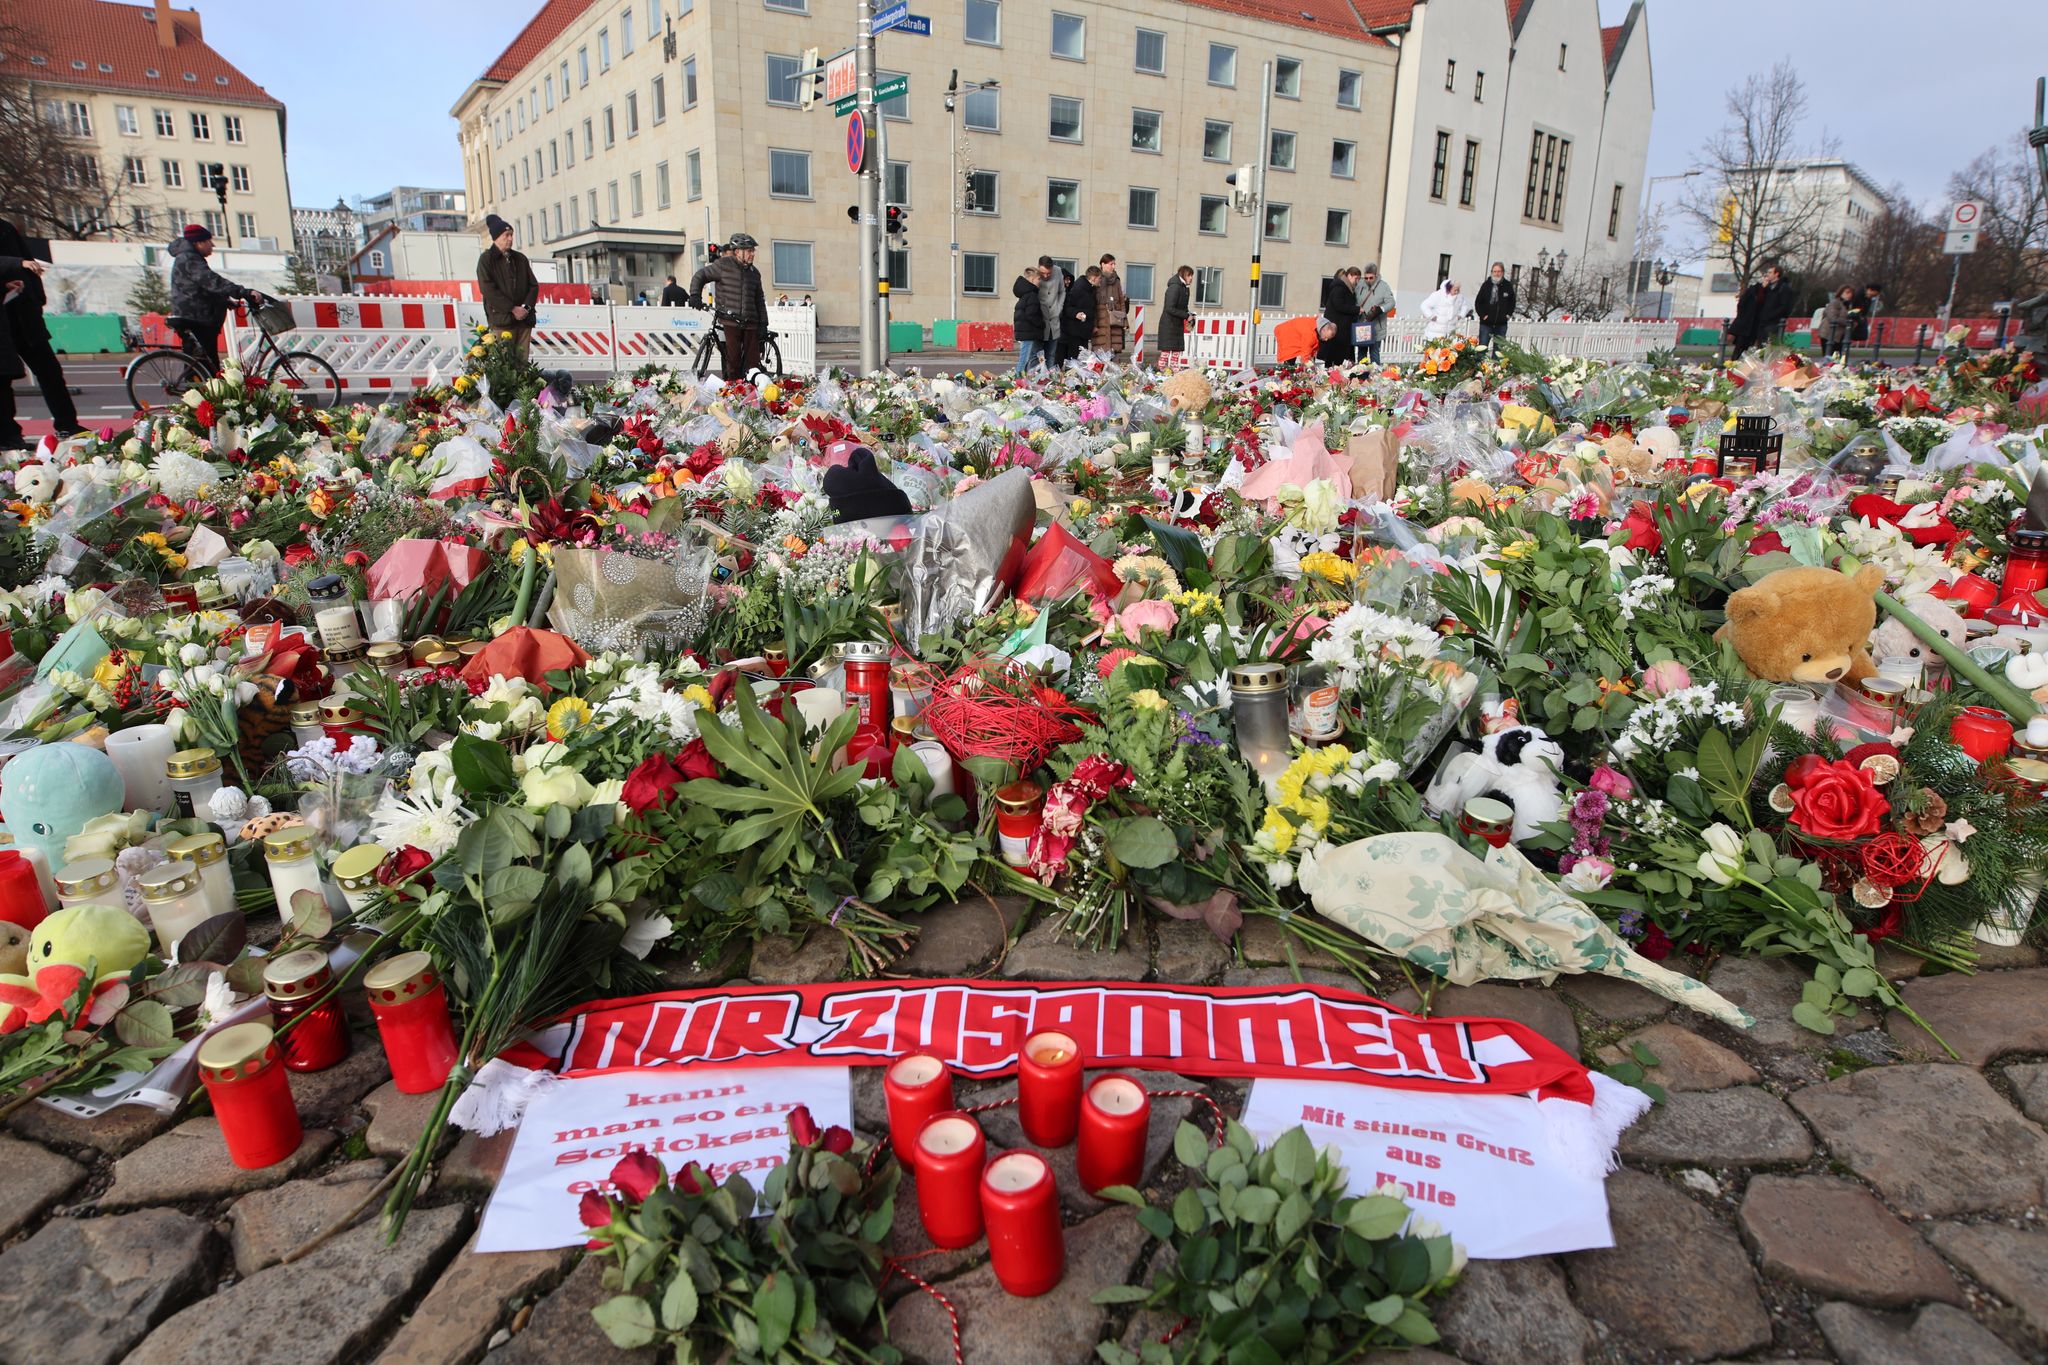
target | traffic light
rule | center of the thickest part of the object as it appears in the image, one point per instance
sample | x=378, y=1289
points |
x=810, y=79
x=1242, y=189
x=898, y=228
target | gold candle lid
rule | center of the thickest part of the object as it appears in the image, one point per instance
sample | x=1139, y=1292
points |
x=469, y=649
x=305, y=713
x=425, y=645
x=337, y=711
x=84, y=877
x=1257, y=678
x=387, y=655
x=399, y=978
x=293, y=841
x=236, y=1051
x=1020, y=796
x=442, y=658
x=192, y=763
x=296, y=976
x=201, y=850
x=168, y=881
x=356, y=869
x=775, y=653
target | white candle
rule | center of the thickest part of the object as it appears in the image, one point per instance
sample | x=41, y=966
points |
x=943, y=1137
x=938, y=763
x=2037, y=732
x=140, y=753
x=1015, y=1171
x=918, y=1070
x=1115, y=1095
x=819, y=706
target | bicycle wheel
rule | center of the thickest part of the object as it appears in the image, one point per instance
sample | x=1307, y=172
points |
x=161, y=378
x=710, y=355
x=771, y=359
x=312, y=380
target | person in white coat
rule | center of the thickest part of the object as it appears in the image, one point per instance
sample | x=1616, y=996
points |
x=1443, y=311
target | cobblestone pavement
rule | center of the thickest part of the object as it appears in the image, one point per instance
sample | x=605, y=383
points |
x=1860, y=1198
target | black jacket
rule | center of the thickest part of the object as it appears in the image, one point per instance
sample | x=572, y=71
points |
x=1495, y=302
x=1173, y=317
x=1077, y=313
x=1027, y=318
x=1761, y=312
x=674, y=296
x=10, y=363
x=506, y=282
x=1340, y=305
x=197, y=293
x=738, y=286
x=32, y=298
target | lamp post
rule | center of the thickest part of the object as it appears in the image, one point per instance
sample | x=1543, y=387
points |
x=1549, y=267
x=1643, y=211
x=217, y=181
x=1664, y=290
x=953, y=90
x=347, y=217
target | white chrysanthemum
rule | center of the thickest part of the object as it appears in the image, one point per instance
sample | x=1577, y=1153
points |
x=182, y=477
x=427, y=820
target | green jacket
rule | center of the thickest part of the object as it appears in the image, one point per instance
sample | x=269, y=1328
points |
x=506, y=282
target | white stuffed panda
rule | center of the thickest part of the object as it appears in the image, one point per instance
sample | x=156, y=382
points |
x=1520, y=765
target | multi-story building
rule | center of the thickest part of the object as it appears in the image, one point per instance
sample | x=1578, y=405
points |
x=324, y=239
x=620, y=136
x=412, y=209
x=1814, y=214
x=157, y=116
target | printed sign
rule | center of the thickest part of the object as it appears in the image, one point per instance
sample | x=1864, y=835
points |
x=842, y=77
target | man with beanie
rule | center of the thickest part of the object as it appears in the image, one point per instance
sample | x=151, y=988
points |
x=507, y=284
x=200, y=296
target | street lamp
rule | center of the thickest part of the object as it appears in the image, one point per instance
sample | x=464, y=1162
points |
x=347, y=218
x=217, y=181
x=1663, y=269
x=953, y=90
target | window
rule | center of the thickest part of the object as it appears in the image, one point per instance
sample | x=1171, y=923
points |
x=558, y=217
x=135, y=170
x=555, y=157
x=1350, y=84
x=1469, y=176
x=525, y=174
x=633, y=195
x=661, y=196
x=693, y=175
x=589, y=147
x=1063, y=201
x=521, y=109
x=1450, y=75
x=1280, y=154
x=1222, y=65
x=1273, y=289
x=1343, y=159
x=790, y=264
x=124, y=117
x=376, y=263
x=632, y=113
x=1337, y=227
x=548, y=89
x=1543, y=200
x=610, y=132
x=1443, y=267
x=140, y=220
x=582, y=66
x=982, y=193
x=1066, y=120
x=165, y=125
x=626, y=33
x=1138, y=281
x=1215, y=215
x=1209, y=284
x=789, y=174
x=1144, y=208
x=238, y=177
x=593, y=208
x=202, y=131
x=898, y=270
x=611, y=190
x=1560, y=56
x=985, y=22
x=658, y=99
x=1145, y=124
x=1215, y=141
x=896, y=184
x=1564, y=156
x=77, y=118
x=565, y=85
x=575, y=214
x=978, y=274
x=983, y=111
x=1287, y=78
x=898, y=109
x=1440, y=165
x=1479, y=87
x=1614, y=215
x=604, y=52
x=174, y=175
x=216, y=221
x=503, y=188
x=1535, y=167
x=793, y=6
x=1069, y=36
x=1151, y=57
x=689, y=82
x=782, y=81
x=653, y=19
x=245, y=226
x=1279, y=221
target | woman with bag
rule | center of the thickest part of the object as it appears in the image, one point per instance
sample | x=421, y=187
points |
x=1340, y=311
x=1173, y=318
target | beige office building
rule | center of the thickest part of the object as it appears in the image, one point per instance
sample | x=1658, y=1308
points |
x=153, y=107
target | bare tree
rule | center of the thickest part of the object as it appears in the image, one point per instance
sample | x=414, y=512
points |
x=2012, y=245
x=1901, y=249
x=1587, y=289
x=1753, y=205
x=52, y=179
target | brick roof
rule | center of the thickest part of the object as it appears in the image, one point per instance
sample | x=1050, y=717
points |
x=1336, y=17
x=1384, y=13
x=116, y=46
x=1610, y=38
x=1515, y=8
x=542, y=29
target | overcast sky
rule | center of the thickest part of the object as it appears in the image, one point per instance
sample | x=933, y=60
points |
x=1912, y=89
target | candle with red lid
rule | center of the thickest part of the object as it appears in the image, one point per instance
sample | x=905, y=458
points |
x=1116, y=1118
x=244, y=1077
x=1049, y=1089
x=1021, y=1208
x=917, y=1087
x=950, y=1155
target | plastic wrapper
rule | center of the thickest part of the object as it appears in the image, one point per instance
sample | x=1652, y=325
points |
x=1059, y=565
x=966, y=553
x=1454, y=439
x=414, y=568
x=381, y=437
x=461, y=466
x=604, y=598
x=1970, y=445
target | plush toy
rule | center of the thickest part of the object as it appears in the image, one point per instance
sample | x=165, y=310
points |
x=107, y=940
x=13, y=949
x=1806, y=625
x=1892, y=640
x=35, y=483
x=1518, y=764
x=49, y=793
x=1188, y=391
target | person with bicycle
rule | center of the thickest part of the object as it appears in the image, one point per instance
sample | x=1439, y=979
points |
x=200, y=296
x=740, y=305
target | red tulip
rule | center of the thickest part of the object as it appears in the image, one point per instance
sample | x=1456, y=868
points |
x=636, y=1175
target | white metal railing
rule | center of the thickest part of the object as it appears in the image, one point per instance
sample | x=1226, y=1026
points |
x=1227, y=341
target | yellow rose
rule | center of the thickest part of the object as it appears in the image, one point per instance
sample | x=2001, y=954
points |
x=476, y=350
x=505, y=336
x=1146, y=699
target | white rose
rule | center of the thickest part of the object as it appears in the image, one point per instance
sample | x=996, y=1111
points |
x=190, y=655
x=1722, y=862
x=560, y=785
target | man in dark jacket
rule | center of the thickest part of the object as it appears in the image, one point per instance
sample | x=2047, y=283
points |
x=15, y=273
x=741, y=303
x=1340, y=319
x=1863, y=310
x=1077, y=315
x=1173, y=317
x=1027, y=320
x=1761, y=311
x=674, y=295
x=1494, y=305
x=200, y=296
x=21, y=319
x=1052, y=294
x=506, y=282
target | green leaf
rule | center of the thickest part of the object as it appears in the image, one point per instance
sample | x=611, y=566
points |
x=1122, y=1293
x=1861, y=983
x=1155, y=1221
x=1294, y=1157
x=557, y=822
x=679, y=1302
x=775, y=1310
x=1142, y=841
x=1188, y=1213
x=1376, y=1216
x=1807, y=1016
x=1190, y=1147
x=310, y=916
x=512, y=889
x=218, y=940
x=1295, y=1212
x=146, y=1024
x=1116, y=1194
x=1384, y=1311
x=1414, y=1327
x=627, y=1320
x=1180, y=548
x=1257, y=1204
x=483, y=767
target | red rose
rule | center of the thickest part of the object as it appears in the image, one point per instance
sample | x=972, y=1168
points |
x=1839, y=802
x=836, y=1140
x=803, y=1129
x=404, y=865
x=1766, y=543
x=1099, y=776
x=692, y=1180
x=694, y=760
x=1655, y=944
x=649, y=784
x=636, y=1175
x=594, y=1209
x=298, y=553
x=1642, y=529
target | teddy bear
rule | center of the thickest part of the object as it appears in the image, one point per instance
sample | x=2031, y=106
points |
x=1187, y=391
x=1893, y=640
x=35, y=483
x=104, y=938
x=1518, y=764
x=1805, y=625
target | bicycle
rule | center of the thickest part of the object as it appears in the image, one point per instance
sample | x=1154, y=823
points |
x=711, y=351
x=162, y=375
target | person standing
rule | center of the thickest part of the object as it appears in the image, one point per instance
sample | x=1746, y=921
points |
x=1761, y=311
x=1027, y=321
x=15, y=273
x=1442, y=311
x=1173, y=318
x=1375, y=307
x=1340, y=312
x=507, y=284
x=22, y=318
x=741, y=303
x=1112, y=307
x=674, y=295
x=1052, y=293
x=200, y=296
x=1495, y=305
x=1834, y=321
x=1077, y=315
x=1864, y=310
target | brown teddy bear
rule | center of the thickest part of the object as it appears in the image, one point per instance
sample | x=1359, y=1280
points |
x=1806, y=625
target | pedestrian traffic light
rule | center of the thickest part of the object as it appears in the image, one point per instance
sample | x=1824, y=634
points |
x=1241, y=189
x=810, y=79
x=898, y=227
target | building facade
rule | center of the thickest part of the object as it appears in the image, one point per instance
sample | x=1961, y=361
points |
x=157, y=115
x=1827, y=206
x=324, y=239
x=413, y=209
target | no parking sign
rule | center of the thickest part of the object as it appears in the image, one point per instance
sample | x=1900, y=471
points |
x=856, y=142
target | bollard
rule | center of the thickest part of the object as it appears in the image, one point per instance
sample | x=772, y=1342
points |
x=1721, y=349
x=1919, y=345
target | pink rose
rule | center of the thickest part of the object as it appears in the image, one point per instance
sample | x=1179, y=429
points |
x=1661, y=679
x=1149, y=614
x=1617, y=785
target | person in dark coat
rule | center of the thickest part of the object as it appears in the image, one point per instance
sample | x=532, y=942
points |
x=674, y=295
x=1052, y=292
x=859, y=489
x=30, y=338
x=1494, y=305
x=740, y=301
x=1761, y=311
x=506, y=283
x=15, y=272
x=1027, y=320
x=1077, y=315
x=1863, y=310
x=200, y=296
x=1834, y=322
x=1340, y=316
x=1173, y=318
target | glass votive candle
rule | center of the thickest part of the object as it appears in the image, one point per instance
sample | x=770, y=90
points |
x=195, y=777
x=1020, y=1209
x=245, y=1078
x=89, y=881
x=1116, y=1120
x=410, y=1005
x=209, y=853
x=1049, y=1089
x=298, y=988
x=355, y=872
x=950, y=1154
x=916, y=1087
x=175, y=899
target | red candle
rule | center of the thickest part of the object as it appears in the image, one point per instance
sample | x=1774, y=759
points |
x=245, y=1078
x=1049, y=1089
x=411, y=1008
x=950, y=1153
x=1982, y=732
x=1116, y=1118
x=917, y=1087
x=1021, y=1207
x=21, y=892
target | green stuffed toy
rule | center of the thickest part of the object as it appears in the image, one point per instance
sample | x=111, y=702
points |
x=106, y=940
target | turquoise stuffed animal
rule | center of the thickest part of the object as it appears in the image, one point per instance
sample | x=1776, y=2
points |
x=49, y=793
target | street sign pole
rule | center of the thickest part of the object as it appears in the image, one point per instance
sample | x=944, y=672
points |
x=872, y=339
x=1259, y=190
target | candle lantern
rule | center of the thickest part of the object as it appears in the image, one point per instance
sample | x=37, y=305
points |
x=1754, y=447
x=1049, y=1089
x=1258, y=710
x=1982, y=732
x=1020, y=809
x=21, y=891
x=411, y=1008
x=209, y=853
x=89, y=881
x=1021, y=1209
x=1489, y=818
x=142, y=755
x=174, y=897
x=1116, y=1120
x=245, y=1078
x=293, y=866
x=865, y=664
x=950, y=1153
x=355, y=872
x=296, y=984
x=194, y=776
x=917, y=1087
x=2026, y=565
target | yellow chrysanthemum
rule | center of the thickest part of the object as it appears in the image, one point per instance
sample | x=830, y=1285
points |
x=1333, y=568
x=699, y=694
x=567, y=716
x=1147, y=699
x=1278, y=831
